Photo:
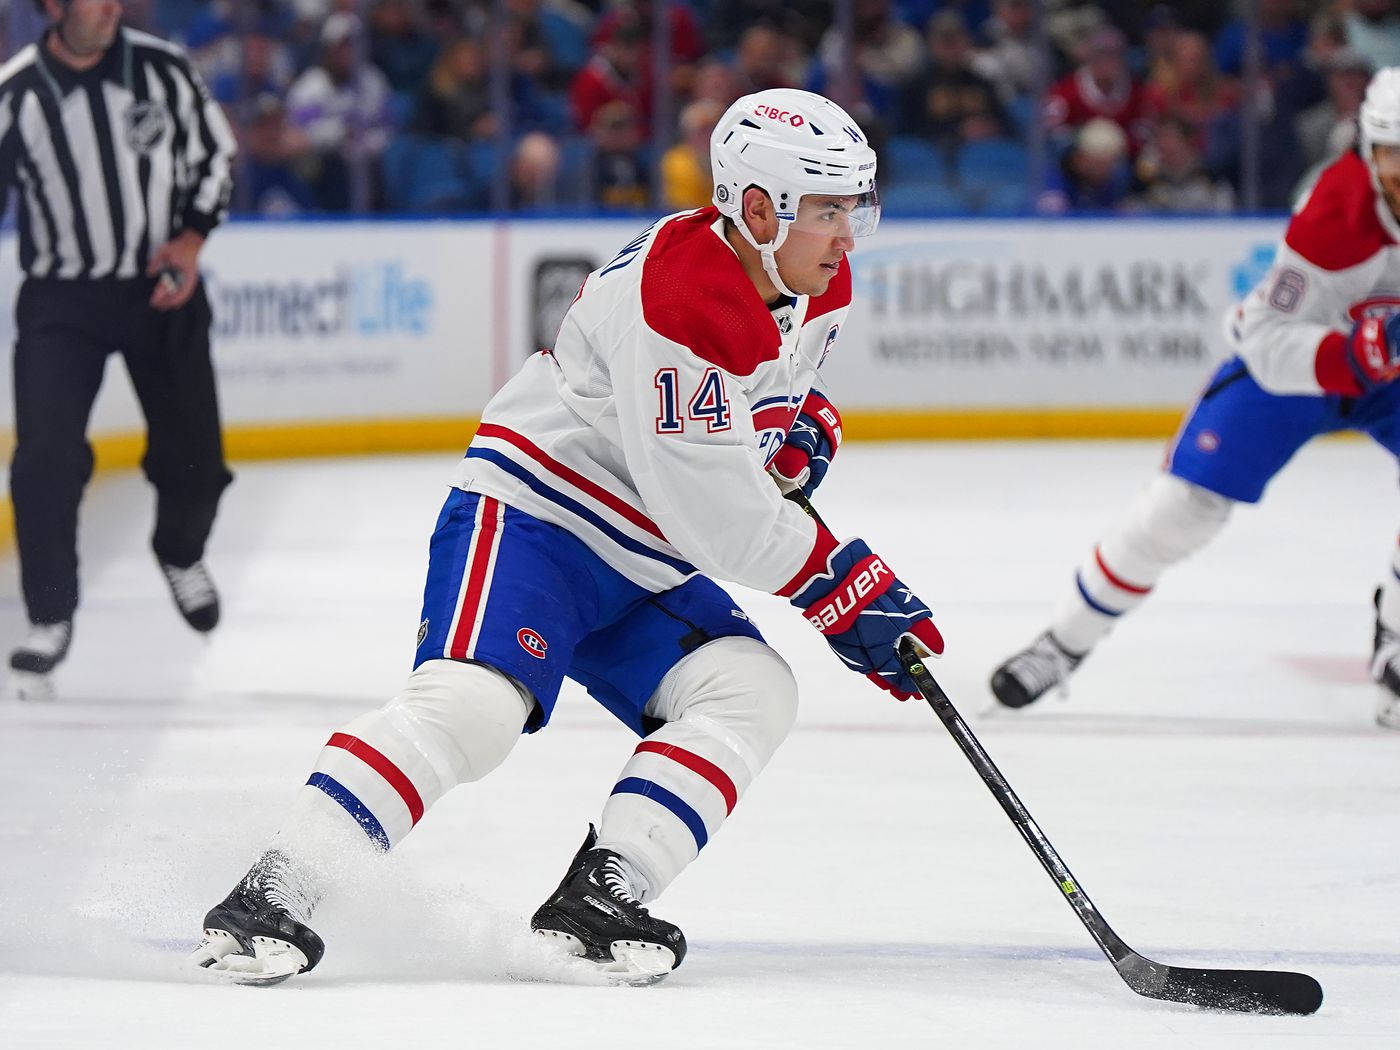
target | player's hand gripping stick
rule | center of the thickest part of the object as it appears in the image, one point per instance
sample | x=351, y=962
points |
x=863, y=610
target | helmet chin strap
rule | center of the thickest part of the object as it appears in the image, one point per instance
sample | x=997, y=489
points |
x=767, y=253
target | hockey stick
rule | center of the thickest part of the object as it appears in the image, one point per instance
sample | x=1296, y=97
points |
x=1247, y=991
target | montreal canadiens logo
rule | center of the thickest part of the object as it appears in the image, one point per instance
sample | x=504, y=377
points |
x=532, y=643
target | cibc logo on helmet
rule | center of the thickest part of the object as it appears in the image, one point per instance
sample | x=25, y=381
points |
x=782, y=116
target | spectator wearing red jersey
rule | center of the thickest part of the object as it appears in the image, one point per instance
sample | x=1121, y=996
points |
x=687, y=42
x=619, y=71
x=1101, y=87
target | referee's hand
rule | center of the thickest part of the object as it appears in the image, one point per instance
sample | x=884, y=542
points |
x=177, y=262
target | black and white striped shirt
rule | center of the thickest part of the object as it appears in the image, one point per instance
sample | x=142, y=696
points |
x=112, y=162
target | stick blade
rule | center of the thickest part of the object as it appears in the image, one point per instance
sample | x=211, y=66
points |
x=1242, y=991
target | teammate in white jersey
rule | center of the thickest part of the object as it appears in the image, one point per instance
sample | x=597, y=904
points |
x=1318, y=350
x=609, y=480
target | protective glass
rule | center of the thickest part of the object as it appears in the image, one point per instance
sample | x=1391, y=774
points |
x=838, y=216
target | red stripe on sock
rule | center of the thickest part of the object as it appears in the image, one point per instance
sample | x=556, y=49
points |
x=703, y=766
x=1122, y=585
x=386, y=769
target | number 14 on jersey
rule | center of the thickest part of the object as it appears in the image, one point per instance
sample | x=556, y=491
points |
x=709, y=404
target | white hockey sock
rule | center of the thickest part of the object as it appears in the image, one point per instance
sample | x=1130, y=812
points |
x=1169, y=520
x=1390, y=592
x=454, y=722
x=728, y=705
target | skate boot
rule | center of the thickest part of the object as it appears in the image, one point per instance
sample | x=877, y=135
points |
x=194, y=594
x=1385, y=669
x=595, y=913
x=33, y=660
x=256, y=935
x=1026, y=676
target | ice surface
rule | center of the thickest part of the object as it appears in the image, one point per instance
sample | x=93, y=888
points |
x=1215, y=780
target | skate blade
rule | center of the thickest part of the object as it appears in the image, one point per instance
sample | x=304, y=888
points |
x=272, y=961
x=30, y=687
x=636, y=963
x=1388, y=710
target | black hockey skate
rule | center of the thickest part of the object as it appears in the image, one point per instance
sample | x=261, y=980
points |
x=33, y=660
x=194, y=594
x=255, y=935
x=596, y=914
x=1028, y=675
x=1385, y=669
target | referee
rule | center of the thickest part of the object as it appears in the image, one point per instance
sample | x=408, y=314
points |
x=121, y=165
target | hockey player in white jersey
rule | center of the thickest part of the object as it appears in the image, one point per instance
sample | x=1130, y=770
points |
x=1317, y=347
x=610, y=479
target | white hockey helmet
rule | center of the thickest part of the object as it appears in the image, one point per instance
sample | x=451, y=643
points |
x=792, y=144
x=1379, y=116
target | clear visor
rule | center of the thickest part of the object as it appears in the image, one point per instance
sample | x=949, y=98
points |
x=838, y=216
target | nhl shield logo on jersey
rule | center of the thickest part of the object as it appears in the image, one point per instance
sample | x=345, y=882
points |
x=532, y=643
x=145, y=122
x=422, y=631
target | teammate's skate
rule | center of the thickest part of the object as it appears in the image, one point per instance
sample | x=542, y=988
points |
x=257, y=934
x=194, y=594
x=33, y=660
x=1385, y=669
x=1031, y=673
x=596, y=914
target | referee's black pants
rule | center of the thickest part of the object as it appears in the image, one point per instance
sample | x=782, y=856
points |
x=66, y=330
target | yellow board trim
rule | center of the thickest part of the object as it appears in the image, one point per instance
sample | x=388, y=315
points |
x=1001, y=423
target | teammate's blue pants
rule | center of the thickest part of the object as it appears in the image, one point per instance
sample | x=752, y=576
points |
x=1239, y=435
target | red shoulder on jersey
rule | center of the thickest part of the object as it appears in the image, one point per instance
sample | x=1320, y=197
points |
x=695, y=292
x=1338, y=226
x=836, y=296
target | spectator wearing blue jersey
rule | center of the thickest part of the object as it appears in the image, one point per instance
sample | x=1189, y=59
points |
x=1283, y=34
x=1092, y=176
x=399, y=46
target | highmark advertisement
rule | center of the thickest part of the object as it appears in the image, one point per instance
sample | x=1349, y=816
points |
x=1043, y=314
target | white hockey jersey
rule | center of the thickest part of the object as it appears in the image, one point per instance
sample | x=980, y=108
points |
x=1338, y=262
x=646, y=431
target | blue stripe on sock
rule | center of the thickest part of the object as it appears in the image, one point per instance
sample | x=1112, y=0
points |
x=677, y=805
x=363, y=817
x=1084, y=593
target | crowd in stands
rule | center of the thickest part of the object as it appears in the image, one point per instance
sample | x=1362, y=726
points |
x=1048, y=106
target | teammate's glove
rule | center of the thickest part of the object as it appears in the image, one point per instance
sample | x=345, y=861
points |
x=811, y=443
x=1373, y=352
x=863, y=609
